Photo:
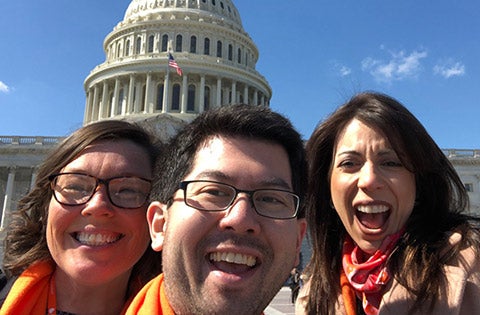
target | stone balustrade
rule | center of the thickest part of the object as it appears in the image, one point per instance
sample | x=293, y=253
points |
x=34, y=140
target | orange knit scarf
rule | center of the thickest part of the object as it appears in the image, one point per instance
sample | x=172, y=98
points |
x=30, y=292
x=151, y=299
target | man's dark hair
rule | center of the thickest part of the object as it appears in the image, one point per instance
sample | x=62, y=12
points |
x=238, y=121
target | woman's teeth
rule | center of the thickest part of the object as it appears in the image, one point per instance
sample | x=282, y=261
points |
x=96, y=239
x=372, y=208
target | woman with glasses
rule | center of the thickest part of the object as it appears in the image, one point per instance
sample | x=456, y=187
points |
x=79, y=242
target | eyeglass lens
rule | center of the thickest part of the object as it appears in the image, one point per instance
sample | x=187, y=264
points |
x=124, y=192
x=213, y=196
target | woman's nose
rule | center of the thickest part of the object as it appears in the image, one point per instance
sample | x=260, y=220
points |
x=99, y=204
x=369, y=177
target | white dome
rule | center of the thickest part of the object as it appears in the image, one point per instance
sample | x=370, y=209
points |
x=223, y=11
x=206, y=37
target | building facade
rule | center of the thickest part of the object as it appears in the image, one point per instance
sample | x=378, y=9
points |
x=218, y=60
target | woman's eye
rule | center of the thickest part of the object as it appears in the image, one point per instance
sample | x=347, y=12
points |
x=393, y=164
x=74, y=188
x=347, y=164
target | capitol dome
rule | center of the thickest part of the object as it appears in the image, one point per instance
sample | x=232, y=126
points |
x=207, y=41
x=223, y=11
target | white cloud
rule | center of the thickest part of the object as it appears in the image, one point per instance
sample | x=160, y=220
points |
x=344, y=71
x=4, y=88
x=399, y=66
x=341, y=69
x=449, y=68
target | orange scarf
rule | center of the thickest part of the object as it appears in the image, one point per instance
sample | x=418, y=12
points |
x=368, y=276
x=151, y=299
x=348, y=294
x=30, y=292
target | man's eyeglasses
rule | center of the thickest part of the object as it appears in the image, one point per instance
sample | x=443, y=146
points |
x=207, y=195
x=74, y=189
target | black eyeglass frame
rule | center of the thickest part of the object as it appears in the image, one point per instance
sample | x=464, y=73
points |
x=52, y=178
x=183, y=185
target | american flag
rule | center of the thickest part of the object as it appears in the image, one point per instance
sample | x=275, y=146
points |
x=172, y=63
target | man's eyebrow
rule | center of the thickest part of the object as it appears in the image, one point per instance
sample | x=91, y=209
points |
x=209, y=174
x=220, y=176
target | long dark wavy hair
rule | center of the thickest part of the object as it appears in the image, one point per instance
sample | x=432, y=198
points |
x=441, y=200
x=25, y=242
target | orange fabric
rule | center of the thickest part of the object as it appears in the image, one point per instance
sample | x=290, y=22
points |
x=348, y=294
x=29, y=294
x=151, y=299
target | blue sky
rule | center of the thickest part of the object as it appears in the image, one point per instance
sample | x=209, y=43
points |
x=315, y=55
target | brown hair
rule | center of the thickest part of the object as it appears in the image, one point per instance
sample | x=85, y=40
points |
x=440, y=200
x=25, y=241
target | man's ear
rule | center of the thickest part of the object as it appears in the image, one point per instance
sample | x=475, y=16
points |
x=302, y=230
x=156, y=217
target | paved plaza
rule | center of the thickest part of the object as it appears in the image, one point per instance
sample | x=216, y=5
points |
x=281, y=304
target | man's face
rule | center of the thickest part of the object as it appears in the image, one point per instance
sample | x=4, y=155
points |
x=232, y=261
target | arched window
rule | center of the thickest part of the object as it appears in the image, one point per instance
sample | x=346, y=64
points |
x=230, y=52
x=191, y=98
x=110, y=105
x=239, y=56
x=219, y=49
x=138, y=45
x=118, y=110
x=127, y=48
x=164, y=42
x=193, y=44
x=119, y=49
x=151, y=40
x=176, y=97
x=206, y=100
x=206, y=47
x=144, y=95
x=135, y=109
x=159, y=104
x=178, y=43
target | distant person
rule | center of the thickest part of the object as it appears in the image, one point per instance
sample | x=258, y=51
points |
x=79, y=241
x=229, y=218
x=295, y=283
x=386, y=215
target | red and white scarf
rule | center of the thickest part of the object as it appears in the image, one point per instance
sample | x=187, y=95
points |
x=368, y=277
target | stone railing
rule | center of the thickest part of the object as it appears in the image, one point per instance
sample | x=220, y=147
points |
x=23, y=141
x=459, y=153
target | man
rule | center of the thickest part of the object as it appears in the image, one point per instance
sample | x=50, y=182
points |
x=229, y=218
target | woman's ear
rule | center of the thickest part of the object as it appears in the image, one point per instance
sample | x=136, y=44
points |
x=156, y=217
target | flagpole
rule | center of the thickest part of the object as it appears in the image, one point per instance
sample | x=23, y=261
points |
x=167, y=86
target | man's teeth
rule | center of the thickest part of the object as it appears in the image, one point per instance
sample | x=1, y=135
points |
x=96, y=239
x=234, y=258
x=372, y=208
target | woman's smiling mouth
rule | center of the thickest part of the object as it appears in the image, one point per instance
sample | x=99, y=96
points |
x=372, y=216
x=96, y=239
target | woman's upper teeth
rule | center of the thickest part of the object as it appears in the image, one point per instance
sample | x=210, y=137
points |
x=372, y=208
x=96, y=239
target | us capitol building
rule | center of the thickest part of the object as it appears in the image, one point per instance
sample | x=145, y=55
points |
x=218, y=60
